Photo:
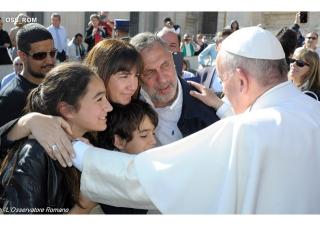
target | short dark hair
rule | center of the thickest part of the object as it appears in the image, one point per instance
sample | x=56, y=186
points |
x=288, y=40
x=123, y=120
x=31, y=33
x=167, y=19
x=78, y=35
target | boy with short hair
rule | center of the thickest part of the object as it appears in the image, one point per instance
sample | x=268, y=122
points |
x=131, y=128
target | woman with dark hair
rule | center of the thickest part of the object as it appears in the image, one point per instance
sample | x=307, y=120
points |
x=234, y=25
x=305, y=73
x=119, y=65
x=31, y=182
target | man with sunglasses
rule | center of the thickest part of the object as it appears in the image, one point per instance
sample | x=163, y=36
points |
x=312, y=41
x=36, y=51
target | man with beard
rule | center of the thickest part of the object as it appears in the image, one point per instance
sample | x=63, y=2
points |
x=179, y=113
x=36, y=51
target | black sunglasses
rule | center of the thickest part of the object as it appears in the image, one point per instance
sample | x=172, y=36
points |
x=299, y=63
x=43, y=55
x=313, y=38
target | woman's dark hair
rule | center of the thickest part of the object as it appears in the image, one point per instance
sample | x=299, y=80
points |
x=66, y=82
x=111, y=56
x=234, y=22
x=123, y=120
x=288, y=40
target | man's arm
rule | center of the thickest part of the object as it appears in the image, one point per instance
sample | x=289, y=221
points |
x=209, y=98
x=48, y=131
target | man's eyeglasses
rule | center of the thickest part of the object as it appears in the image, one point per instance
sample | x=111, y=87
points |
x=43, y=55
x=299, y=63
x=313, y=38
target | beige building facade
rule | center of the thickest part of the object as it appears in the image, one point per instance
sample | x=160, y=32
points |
x=190, y=22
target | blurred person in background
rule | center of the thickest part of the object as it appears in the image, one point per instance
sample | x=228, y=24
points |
x=106, y=23
x=311, y=42
x=209, y=75
x=234, y=25
x=76, y=48
x=186, y=47
x=60, y=38
x=17, y=69
x=296, y=28
x=19, y=22
x=5, y=43
x=201, y=45
x=94, y=34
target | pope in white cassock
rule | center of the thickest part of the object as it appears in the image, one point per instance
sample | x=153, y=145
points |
x=264, y=160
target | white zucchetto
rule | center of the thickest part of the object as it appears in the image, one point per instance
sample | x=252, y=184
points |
x=254, y=42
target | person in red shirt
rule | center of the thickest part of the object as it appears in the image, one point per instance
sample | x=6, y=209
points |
x=94, y=33
x=106, y=23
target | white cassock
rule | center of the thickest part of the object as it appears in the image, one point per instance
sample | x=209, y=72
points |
x=265, y=161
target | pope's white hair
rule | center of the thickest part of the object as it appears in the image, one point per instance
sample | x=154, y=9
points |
x=266, y=72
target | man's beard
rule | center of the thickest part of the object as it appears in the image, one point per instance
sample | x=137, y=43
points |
x=36, y=74
x=162, y=99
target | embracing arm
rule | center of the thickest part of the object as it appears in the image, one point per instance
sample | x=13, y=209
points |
x=47, y=130
x=110, y=177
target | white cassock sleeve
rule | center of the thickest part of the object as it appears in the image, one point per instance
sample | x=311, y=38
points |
x=260, y=162
x=110, y=177
x=167, y=177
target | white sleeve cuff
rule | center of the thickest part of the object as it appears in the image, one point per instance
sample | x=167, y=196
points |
x=80, y=148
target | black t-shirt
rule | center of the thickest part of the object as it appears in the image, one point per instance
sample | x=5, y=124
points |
x=13, y=98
